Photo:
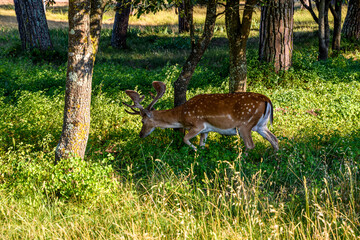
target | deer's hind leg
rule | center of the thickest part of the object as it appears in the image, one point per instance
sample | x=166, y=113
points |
x=265, y=133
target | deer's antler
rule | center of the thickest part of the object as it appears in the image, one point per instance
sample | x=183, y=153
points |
x=135, y=97
x=160, y=88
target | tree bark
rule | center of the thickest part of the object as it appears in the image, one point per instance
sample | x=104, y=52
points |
x=84, y=32
x=96, y=16
x=121, y=23
x=324, y=29
x=197, y=51
x=351, y=27
x=336, y=12
x=238, y=33
x=276, y=33
x=33, y=28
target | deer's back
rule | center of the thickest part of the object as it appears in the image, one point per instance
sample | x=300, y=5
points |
x=225, y=110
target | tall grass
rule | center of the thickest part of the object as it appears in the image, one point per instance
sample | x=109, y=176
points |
x=229, y=205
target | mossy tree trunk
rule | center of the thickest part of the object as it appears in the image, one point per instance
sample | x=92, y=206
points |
x=351, y=27
x=197, y=51
x=238, y=32
x=33, y=28
x=121, y=23
x=84, y=32
x=276, y=33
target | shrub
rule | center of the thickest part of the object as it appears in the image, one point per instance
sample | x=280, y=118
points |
x=28, y=174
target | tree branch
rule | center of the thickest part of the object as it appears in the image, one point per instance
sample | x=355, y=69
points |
x=247, y=17
x=220, y=13
x=309, y=8
x=222, y=4
x=333, y=12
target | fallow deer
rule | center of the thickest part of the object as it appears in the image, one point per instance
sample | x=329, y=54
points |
x=226, y=114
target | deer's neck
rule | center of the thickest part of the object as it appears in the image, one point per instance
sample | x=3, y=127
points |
x=168, y=118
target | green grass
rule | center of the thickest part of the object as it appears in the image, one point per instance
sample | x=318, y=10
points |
x=158, y=188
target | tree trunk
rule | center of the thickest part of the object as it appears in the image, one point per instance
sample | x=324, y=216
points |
x=238, y=68
x=197, y=51
x=327, y=25
x=84, y=32
x=184, y=16
x=337, y=25
x=121, y=23
x=96, y=16
x=276, y=33
x=33, y=28
x=238, y=33
x=324, y=30
x=351, y=27
x=323, y=22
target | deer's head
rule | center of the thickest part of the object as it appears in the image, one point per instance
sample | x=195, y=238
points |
x=148, y=122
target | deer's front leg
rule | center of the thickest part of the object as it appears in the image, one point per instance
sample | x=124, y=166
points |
x=245, y=134
x=193, y=132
